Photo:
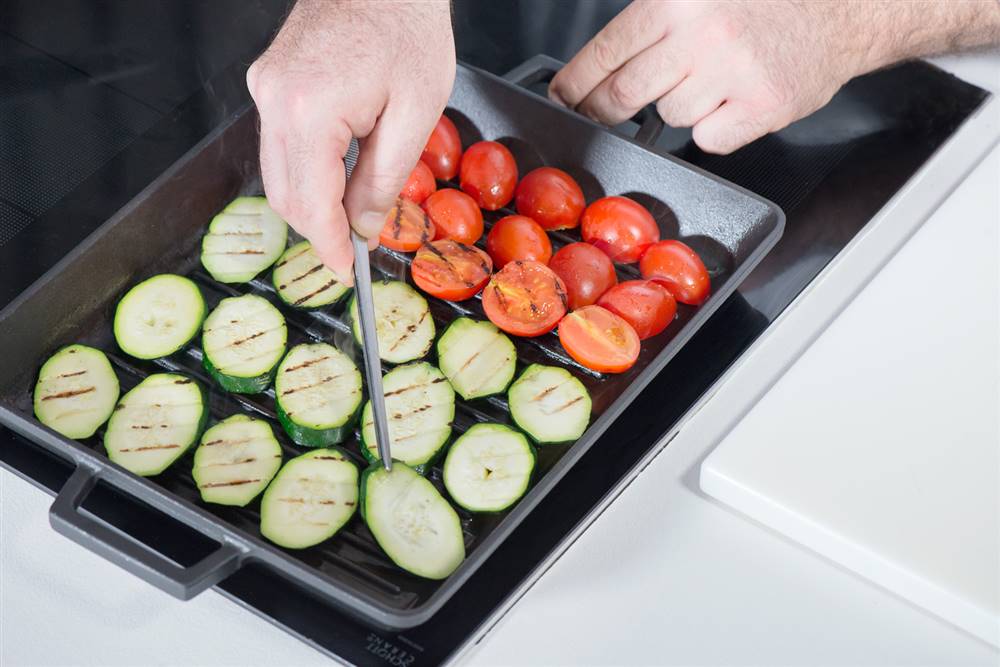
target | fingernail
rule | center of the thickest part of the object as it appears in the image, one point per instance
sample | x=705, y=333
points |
x=370, y=223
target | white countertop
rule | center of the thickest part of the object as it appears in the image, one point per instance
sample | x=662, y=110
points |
x=700, y=585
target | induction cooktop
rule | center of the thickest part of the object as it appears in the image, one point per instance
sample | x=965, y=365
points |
x=94, y=107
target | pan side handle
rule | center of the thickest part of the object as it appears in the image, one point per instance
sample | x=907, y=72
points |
x=541, y=68
x=68, y=519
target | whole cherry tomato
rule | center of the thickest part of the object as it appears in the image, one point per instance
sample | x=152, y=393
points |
x=443, y=151
x=455, y=216
x=646, y=305
x=587, y=272
x=620, y=227
x=419, y=185
x=678, y=268
x=489, y=174
x=550, y=197
x=517, y=237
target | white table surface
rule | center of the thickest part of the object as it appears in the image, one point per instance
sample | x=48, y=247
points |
x=699, y=585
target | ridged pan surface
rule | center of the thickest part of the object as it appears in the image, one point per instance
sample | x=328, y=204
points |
x=161, y=231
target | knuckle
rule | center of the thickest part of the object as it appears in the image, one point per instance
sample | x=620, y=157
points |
x=604, y=53
x=626, y=92
x=725, y=28
x=673, y=112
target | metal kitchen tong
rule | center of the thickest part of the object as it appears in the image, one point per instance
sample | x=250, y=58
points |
x=369, y=337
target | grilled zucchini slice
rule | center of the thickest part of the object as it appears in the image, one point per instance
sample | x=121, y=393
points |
x=318, y=393
x=302, y=281
x=403, y=322
x=76, y=391
x=549, y=404
x=243, y=240
x=236, y=460
x=243, y=341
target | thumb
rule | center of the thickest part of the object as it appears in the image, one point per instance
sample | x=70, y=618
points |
x=385, y=159
x=731, y=126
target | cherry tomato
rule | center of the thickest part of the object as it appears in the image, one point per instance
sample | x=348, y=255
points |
x=406, y=227
x=451, y=270
x=599, y=339
x=455, y=216
x=489, y=174
x=587, y=272
x=517, y=237
x=620, y=227
x=646, y=305
x=550, y=197
x=419, y=185
x=525, y=299
x=678, y=268
x=443, y=151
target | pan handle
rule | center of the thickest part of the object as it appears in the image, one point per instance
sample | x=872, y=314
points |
x=541, y=68
x=102, y=539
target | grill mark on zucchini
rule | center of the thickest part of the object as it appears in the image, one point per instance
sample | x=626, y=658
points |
x=293, y=257
x=68, y=394
x=70, y=375
x=549, y=390
x=227, y=442
x=403, y=390
x=410, y=328
x=566, y=405
x=184, y=381
x=233, y=463
x=328, y=285
x=328, y=458
x=329, y=378
x=302, y=501
x=318, y=267
x=148, y=448
x=238, y=482
x=236, y=233
x=248, y=251
x=306, y=364
x=401, y=415
x=250, y=337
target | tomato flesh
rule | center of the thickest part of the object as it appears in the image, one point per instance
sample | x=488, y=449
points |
x=620, y=227
x=451, y=270
x=587, y=272
x=600, y=340
x=419, y=185
x=550, y=197
x=443, y=151
x=678, y=268
x=518, y=237
x=455, y=216
x=488, y=173
x=646, y=305
x=406, y=227
x=525, y=299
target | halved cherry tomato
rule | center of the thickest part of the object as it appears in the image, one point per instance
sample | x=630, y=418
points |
x=518, y=237
x=420, y=184
x=489, y=174
x=443, y=151
x=678, y=268
x=599, y=339
x=525, y=299
x=646, y=305
x=455, y=216
x=451, y=270
x=587, y=272
x=550, y=197
x=406, y=227
x=620, y=227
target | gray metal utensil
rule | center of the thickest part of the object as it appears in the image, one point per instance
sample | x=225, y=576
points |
x=369, y=343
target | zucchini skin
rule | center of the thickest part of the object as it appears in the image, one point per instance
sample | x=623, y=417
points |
x=311, y=437
x=240, y=385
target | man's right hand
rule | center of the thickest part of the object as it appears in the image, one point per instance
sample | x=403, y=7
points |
x=378, y=70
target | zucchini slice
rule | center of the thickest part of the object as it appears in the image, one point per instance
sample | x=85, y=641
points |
x=476, y=357
x=318, y=394
x=411, y=521
x=488, y=468
x=243, y=341
x=155, y=423
x=420, y=405
x=159, y=316
x=312, y=497
x=549, y=404
x=76, y=391
x=236, y=460
x=243, y=240
x=403, y=323
x=302, y=281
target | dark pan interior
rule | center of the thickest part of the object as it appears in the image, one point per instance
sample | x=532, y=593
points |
x=161, y=230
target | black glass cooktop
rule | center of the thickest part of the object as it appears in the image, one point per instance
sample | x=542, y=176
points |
x=96, y=99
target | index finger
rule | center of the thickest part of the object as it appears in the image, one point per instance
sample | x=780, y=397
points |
x=629, y=33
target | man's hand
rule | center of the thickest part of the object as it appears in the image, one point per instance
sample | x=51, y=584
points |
x=735, y=71
x=378, y=70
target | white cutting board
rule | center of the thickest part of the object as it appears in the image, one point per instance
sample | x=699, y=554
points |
x=880, y=447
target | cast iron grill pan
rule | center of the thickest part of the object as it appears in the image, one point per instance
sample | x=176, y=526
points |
x=161, y=230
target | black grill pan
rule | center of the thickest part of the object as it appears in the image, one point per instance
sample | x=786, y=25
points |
x=160, y=231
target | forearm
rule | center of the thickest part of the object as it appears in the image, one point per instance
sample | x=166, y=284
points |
x=893, y=30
